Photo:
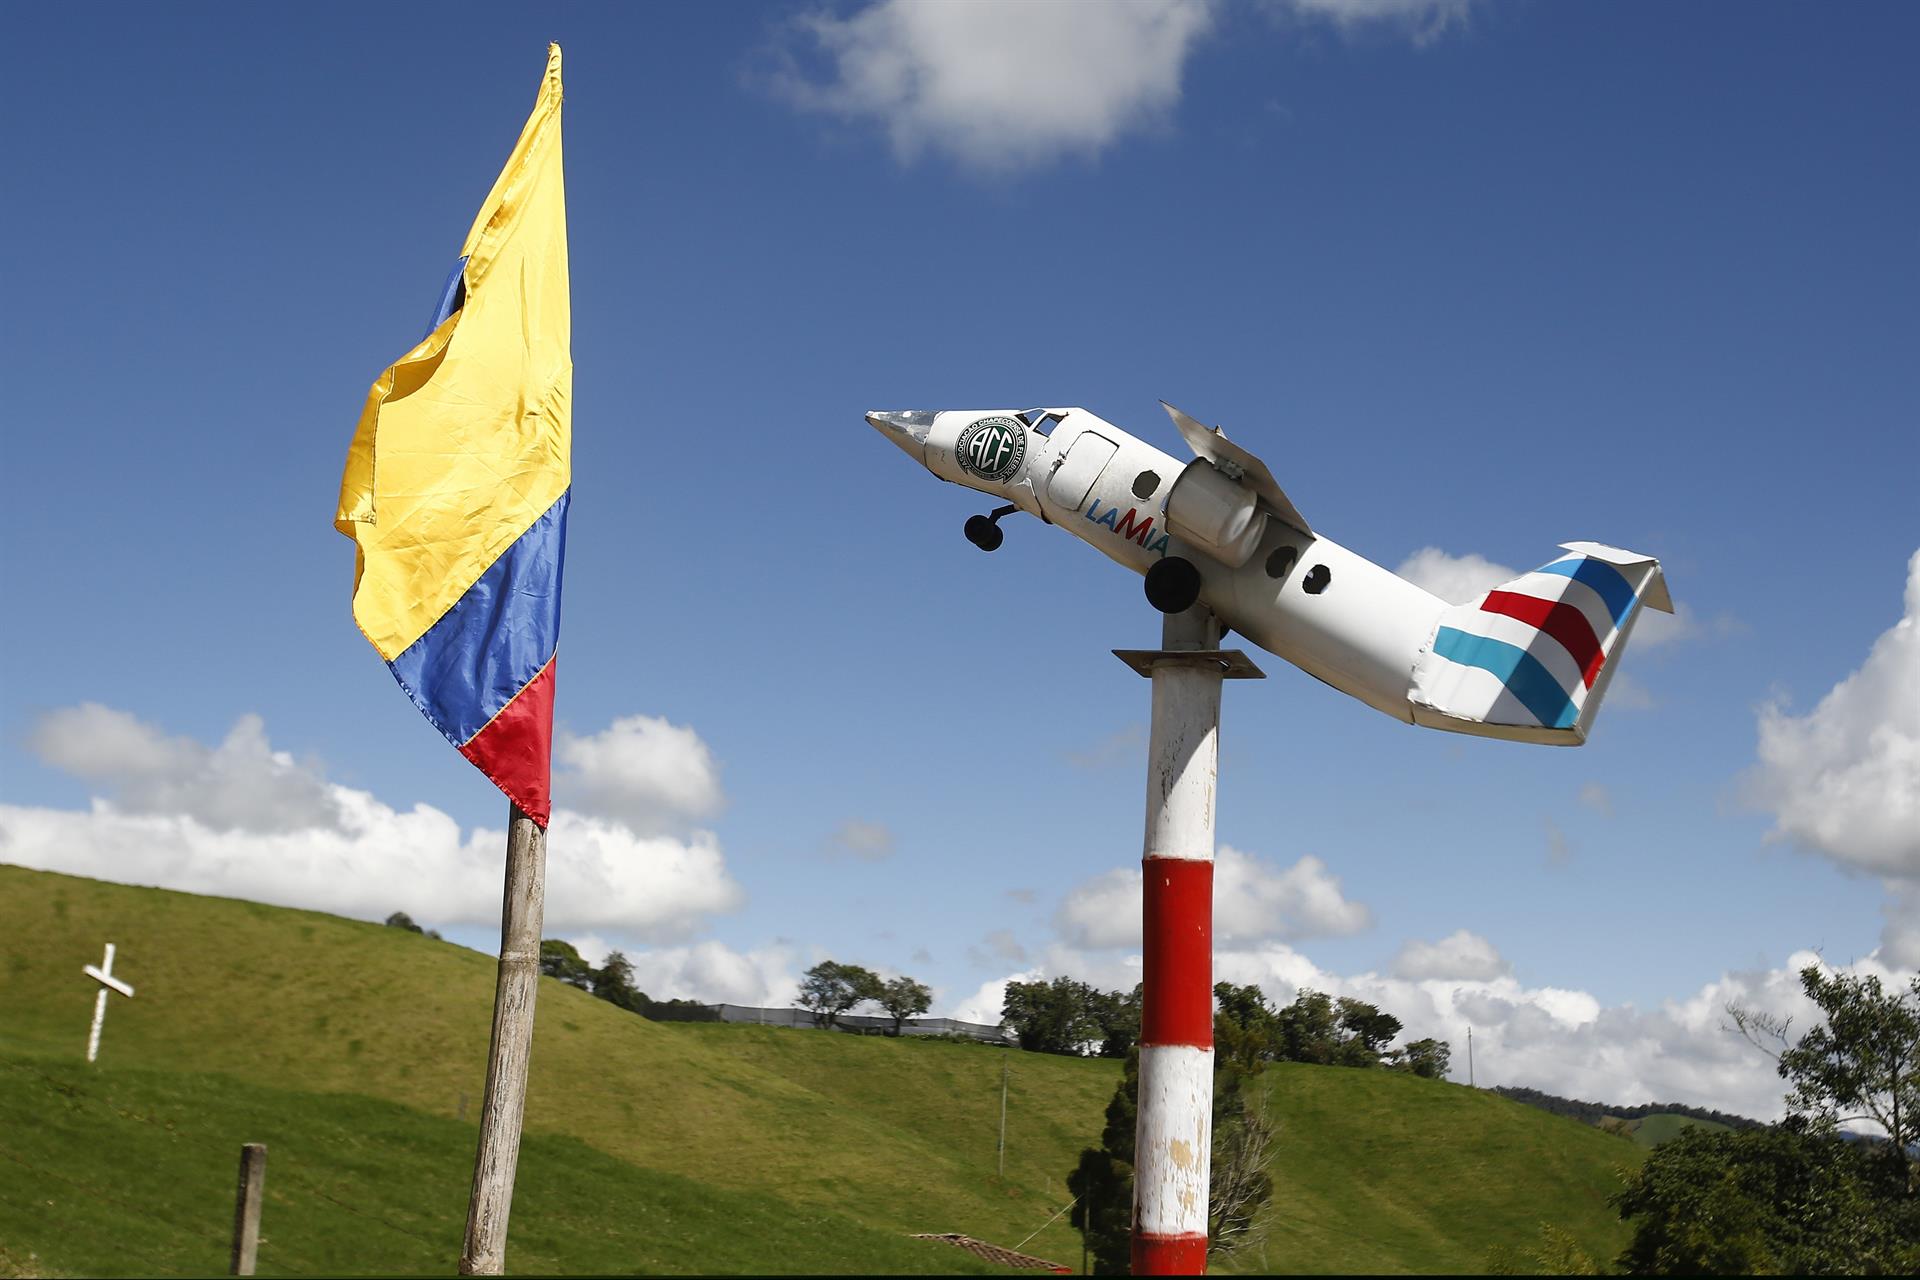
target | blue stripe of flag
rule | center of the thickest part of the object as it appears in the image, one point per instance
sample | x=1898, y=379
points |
x=497, y=636
x=1514, y=667
x=452, y=295
x=1606, y=581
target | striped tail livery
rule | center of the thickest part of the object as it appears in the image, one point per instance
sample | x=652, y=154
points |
x=1532, y=658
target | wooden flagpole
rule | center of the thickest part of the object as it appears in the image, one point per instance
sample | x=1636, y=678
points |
x=505, y=1103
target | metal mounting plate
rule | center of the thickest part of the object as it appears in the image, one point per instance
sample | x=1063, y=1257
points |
x=1233, y=664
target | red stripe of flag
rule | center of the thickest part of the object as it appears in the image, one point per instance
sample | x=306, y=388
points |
x=1558, y=619
x=515, y=749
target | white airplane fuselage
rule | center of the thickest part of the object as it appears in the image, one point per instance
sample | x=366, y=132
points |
x=1291, y=591
x=1359, y=632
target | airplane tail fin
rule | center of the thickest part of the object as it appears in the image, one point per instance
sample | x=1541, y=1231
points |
x=1532, y=658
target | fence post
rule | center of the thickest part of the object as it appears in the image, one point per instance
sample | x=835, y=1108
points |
x=246, y=1206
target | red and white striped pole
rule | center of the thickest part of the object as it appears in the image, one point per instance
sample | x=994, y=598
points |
x=1174, y=1141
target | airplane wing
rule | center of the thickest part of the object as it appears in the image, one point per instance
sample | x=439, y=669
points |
x=1236, y=463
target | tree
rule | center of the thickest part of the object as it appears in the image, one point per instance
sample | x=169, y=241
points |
x=1429, y=1058
x=1246, y=1031
x=1366, y=1033
x=1783, y=1201
x=904, y=998
x=559, y=959
x=1053, y=1017
x=830, y=989
x=1238, y=1184
x=613, y=982
x=1616, y=1126
x=1102, y=1183
x=1558, y=1253
x=401, y=920
x=1118, y=1014
x=1309, y=1029
x=1863, y=1063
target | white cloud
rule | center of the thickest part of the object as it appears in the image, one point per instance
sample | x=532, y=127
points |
x=715, y=973
x=1103, y=911
x=1458, y=955
x=1900, y=939
x=379, y=860
x=1002, y=84
x=641, y=771
x=998, y=946
x=1455, y=579
x=867, y=841
x=1844, y=779
x=591, y=947
x=1557, y=1039
x=1252, y=898
x=1464, y=579
x=1656, y=630
x=1559, y=851
x=1566, y=1041
x=175, y=821
x=1123, y=746
x=1426, y=19
x=984, y=1005
x=1562, y=1040
x=1628, y=694
x=242, y=784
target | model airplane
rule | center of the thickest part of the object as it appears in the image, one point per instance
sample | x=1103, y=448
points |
x=1529, y=660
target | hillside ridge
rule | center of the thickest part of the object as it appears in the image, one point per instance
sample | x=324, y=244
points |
x=1374, y=1171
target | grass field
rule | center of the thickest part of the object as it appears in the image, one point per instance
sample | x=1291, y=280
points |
x=354, y=1051
x=356, y=1185
x=1651, y=1131
x=1379, y=1171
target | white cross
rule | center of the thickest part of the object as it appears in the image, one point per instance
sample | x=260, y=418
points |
x=104, y=976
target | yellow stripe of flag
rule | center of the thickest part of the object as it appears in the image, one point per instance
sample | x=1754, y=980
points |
x=467, y=440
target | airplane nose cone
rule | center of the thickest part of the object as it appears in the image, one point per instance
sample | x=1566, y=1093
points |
x=907, y=428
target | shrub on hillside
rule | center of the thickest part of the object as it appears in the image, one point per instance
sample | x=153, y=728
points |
x=1779, y=1201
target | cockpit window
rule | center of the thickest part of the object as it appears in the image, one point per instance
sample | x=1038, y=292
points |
x=1040, y=420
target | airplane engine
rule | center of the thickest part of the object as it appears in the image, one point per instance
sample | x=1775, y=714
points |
x=1218, y=514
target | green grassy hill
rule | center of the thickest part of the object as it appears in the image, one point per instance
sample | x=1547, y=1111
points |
x=132, y=1172
x=354, y=1051
x=1651, y=1131
x=1378, y=1171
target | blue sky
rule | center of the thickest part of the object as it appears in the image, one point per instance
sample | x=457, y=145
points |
x=1478, y=277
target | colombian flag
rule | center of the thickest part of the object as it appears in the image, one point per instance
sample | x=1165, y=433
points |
x=456, y=486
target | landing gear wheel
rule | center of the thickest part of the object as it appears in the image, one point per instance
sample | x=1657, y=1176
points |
x=1173, y=585
x=984, y=533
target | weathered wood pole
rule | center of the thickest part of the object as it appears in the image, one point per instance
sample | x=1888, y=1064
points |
x=504, y=1104
x=1002, y=1148
x=1174, y=1140
x=246, y=1207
